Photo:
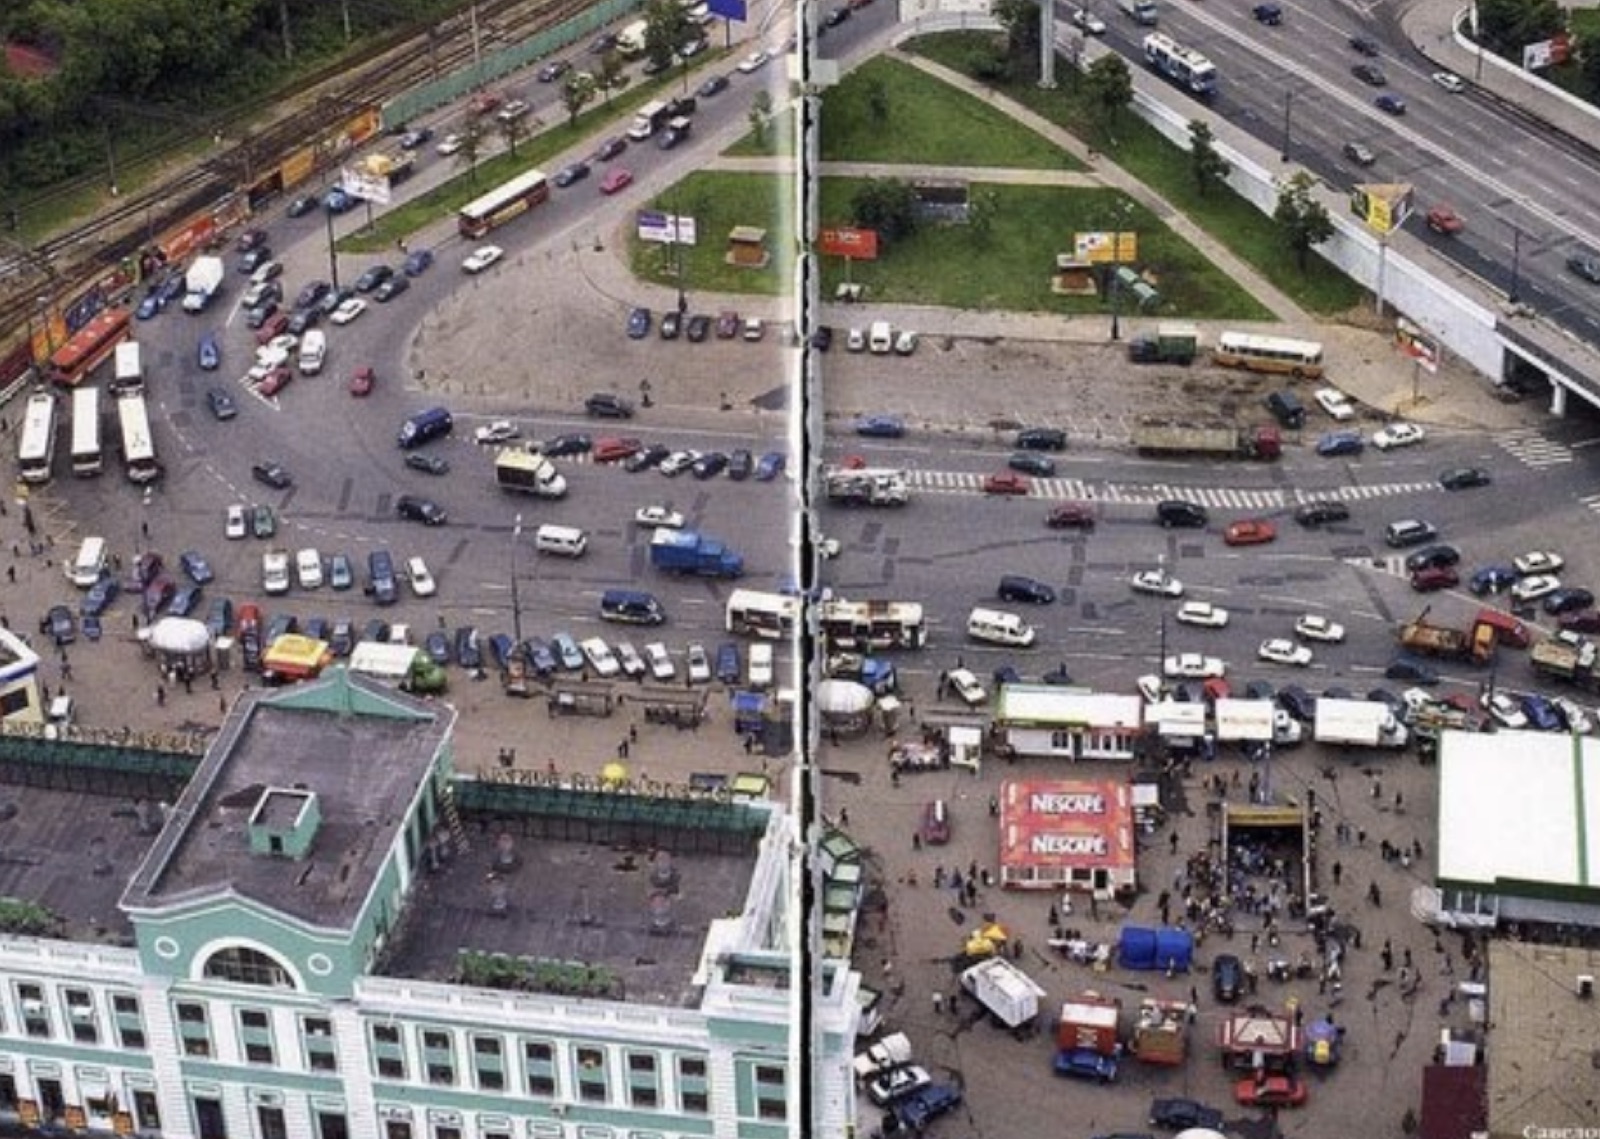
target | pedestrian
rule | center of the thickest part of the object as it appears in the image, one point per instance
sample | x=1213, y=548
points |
x=633, y=733
x=1388, y=957
x=188, y=682
x=161, y=696
x=916, y=843
x=11, y=574
x=749, y=743
x=1374, y=895
x=1377, y=789
x=1399, y=802
x=938, y=1004
x=938, y=877
x=222, y=705
x=216, y=682
x=144, y=529
x=1192, y=1012
x=66, y=670
x=844, y=816
x=994, y=806
x=1361, y=836
x=1338, y=872
x=1172, y=843
x=1255, y=941
x=1406, y=956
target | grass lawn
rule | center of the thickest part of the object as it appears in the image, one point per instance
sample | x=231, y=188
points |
x=780, y=141
x=927, y=122
x=1144, y=153
x=1011, y=268
x=718, y=201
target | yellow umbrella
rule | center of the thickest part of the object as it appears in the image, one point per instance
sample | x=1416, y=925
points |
x=614, y=774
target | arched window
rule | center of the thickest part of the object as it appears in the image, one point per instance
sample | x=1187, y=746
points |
x=245, y=966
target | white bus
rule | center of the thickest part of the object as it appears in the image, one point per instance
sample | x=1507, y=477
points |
x=87, y=457
x=138, y=445
x=857, y=626
x=129, y=375
x=752, y=613
x=1269, y=354
x=37, y=449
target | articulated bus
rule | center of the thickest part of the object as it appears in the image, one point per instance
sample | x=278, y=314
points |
x=503, y=204
x=861, y=625
x=37, y=449
x=87, y=454
x=89, y=345
x=138, y=445
x=1269, y=354
x=752, y=613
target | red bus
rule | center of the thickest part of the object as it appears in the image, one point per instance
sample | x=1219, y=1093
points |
x=504, y=203
x=89, y=345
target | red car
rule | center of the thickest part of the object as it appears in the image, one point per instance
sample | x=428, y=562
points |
x=271, y=327
x=361, y=383
x=610, y=449
x=1071, y=516
x=1434, y=577
x=1249, y=532
x=1273, y=1091
x=1585, y=621
x=616, y=180
x=1216, y=688
x=1006, y=482
x=274, y=381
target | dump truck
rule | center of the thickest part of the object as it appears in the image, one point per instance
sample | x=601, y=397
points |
x=1183, y=437
x=866, y=487
x=202, y=282
x=1169, y=344
x=1089, y=1022
x=1010, y=995
x=685, y=551
x=528, y=472
x=1161, y=1034
x=1475, y=644
x=1565, y=662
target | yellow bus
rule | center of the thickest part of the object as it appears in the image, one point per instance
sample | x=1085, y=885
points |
x=1269, y=354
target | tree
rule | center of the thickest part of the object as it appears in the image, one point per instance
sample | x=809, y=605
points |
x=610, y=73
x=1108, y=86
x=1020, y=19
x=667, y=28
x=1506, y=26
x=877, y=100
x=474, y=134
x=761, y=116
x=982, y=209
x=515, y=128
x=576, y=94
x=1303, y=220
x=1589, y=62
x=1210, y=168
x=888, y=206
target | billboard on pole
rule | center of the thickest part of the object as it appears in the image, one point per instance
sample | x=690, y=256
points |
x=847, y=241
x=363, y=186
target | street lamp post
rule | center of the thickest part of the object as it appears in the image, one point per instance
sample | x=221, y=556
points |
x=333, y=250
x=1288, y=119
x=516, y=599
x=1516, y=262
x=1123, y=211
x=677, y=260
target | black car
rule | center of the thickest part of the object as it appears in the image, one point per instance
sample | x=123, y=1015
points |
x=416, y=139
x=571, y=174
x=822, y=338
x=303, y=320
x=469, y=647
x=185, y=601
x=333, y=298
x=1183, y=1114
x=539, y=656
x=671, y=324
x=437, y=646
x=1585, y=265
x=342, y=638
x=1362, y=45
x=1042, y=439
x=254, y=318
x=1568, y=599
x=1430, y=557
x=416, y=509
x=375, y=631
x=1180, y=512
x=254, y=259
x=709, y=465
x=59, y=625
x=373, y=277
x=316, y=628
x=428, y=464
x=605, y=405
x=220, y=401
x=1296, y=701
x=100, y=596
x=1058, y=676
x=836, y=17
x=1411, y=670
x=699, y=328
x=553, y=70
x=1042, y=466
x=1227, y=978
x=1370, y=74
x=1260, y=690
x=312, y=293
x=651, y=456
x=1015, y=587
x=274, y=475
x=1337, y=692
x=219, y=618
x=715, y=85
x=570, y=444
x=302, y=205
x=740, y=463
x=602, y=43
x=610, y=148
x=280, y=626
x=1390, y=700
x=1464, y=478
x=390, y=289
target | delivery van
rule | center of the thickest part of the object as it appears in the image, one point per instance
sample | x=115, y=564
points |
x=423, y=426
x=313, y=352
x=998, y=627
x=563, y=541
x=89, y=563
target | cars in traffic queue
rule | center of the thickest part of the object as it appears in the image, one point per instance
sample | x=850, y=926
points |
x=1315, y=627
x=1449, y=81
x=1335, y=403
x=1410, y=669
x=1408, y=532
x=1390, y=103
x=1193, y=666
x=1249, y=532
x=1370, y=74
x=881, y=426
x=1280, y=650
x=615, y=448
x=1320, y=512
x=1535, y=586
x=390, y=289
x=1158, y=582
x=1181, y=513
x=1203, y=614
x=571, y=174
x=1070, y=516
x=616, y=180
x=1360, y=153
x=418, y=262
x=1032, y=463
x=1087, y=21
x=1541, y=713
x=1337, y=443
x=1006, y=483
x=482, y=258
x=1432, y=578
x=1398, y=435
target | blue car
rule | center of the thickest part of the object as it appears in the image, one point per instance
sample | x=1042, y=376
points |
x=171, y=289
x=1341, y=443
x=194, y=564
x=338, y=202
x=418, y=262
x=184, y=602
x=881, y=426
x=638, y=324
x=1391, y=104
x=1541, y=713
x=1491, y=579
x=148, y=308
x=437, y=646
x=567, y=652
x=210, y=352
x=770, y=466
x=100, y=596
x=1412, y=670
x=728, y=669
x=1085, y=1064
x=538, y=655
x=219, y=619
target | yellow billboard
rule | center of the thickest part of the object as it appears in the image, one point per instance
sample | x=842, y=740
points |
x=1384, y=207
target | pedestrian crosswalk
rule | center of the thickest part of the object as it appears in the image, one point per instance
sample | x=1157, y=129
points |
x=1148, y=494
x=1590, y=501
x=1392, y=564
x=1530, y=448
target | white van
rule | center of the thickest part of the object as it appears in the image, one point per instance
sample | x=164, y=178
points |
x=313, y=351
x=1000, y=628
x=880, y=338
x=563, y=541
x=89, y=563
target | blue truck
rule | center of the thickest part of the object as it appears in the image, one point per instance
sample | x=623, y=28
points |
x=685, y=551
x=913, y=1112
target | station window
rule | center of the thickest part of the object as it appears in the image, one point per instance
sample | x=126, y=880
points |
x=389, y=1053
x=772, y=1101
x=592, y=1075
x=255, y=1031
x=438, y=1057
x=80, y=1016
x=194, y=1029
x=316, y=1036
x=693, y=1092
x=489, y=1063
x=539, y=1058
x=35, y=1016
x=128, y=1020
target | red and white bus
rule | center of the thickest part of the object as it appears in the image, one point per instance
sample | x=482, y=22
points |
x=89, y=345
x=503, y=203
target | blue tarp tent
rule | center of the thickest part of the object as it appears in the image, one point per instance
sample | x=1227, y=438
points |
x=1143, y=948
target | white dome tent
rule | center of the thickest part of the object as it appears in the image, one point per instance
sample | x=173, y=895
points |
x=181, y=645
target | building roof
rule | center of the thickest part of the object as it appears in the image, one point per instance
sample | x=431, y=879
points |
x=1452, y=1102
x=1516, y=807
x=361, y=747
x=16, y=658
x=1021, y=705
x=1080, y=823
x=1546, y=1038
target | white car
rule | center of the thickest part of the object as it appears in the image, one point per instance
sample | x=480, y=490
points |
x=308, y=568
x=1578, y=720
x=660, y=661
x=905, y=343
x=1335, y=403
x=1538, y=561
x=1504, y=709
x=1450, y=82
x=1194, y=666
x=755, y=61
x=1534, y=587
x=513, y=110
x=966, y=686
x=898, y=1082
x=658, y=516
x=482, y=257
x=1151, y=688
x=275, y=571
x=678, y=462
x=238, y=523
x=601, y=658
x=349, y=310
x=422, y=583
x=855, y=340
x=1314, y=627
x=1088, y=21
x=1202, y=613
x=1280, y=650
x=1156, y=581
x=699, y=663
x=449, y=144
x=267, y=358
x=760, y=666
x=632, y=663
x=281, y=345
x=1416, y=699
x=500, y=431
x=1397, y=435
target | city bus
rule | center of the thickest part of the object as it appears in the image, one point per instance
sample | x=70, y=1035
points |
x=862, y=625
x=37, y=449
x=752, y=613
x=1269, y=354
x=87, y=457
x=503, y=203
x=128, y=369
x=138, y=445
x=89, y=345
